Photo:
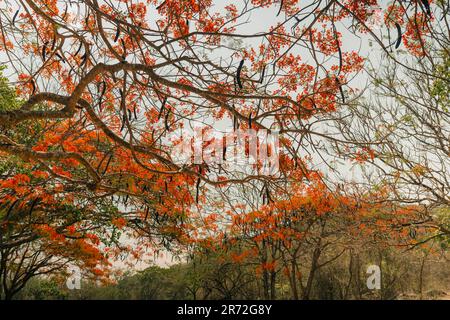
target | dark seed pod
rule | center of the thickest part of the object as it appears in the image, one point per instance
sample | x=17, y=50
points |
x=135, y=115
x=161, y=5
x=33, y=204
x=83, y=59
x=103, y=89
x=426, y=4
x=250, y=121
x=129, y=114
x=44, y=50
x=107, y=164
x=60, y=58
x=162, y=108
x=116, y=37
x=15, y=16
x=123, y=123
x=340, y=59
x=197, y=190
x=224, y=153
x=281, y=7
x=166, y=120
x=146, y=213
x=261, y=193
x=65, y=12
x=124, y=48
x=238, y=74
x=262, y=75
x=79, y=48
x=53, y=43
x=399, y=36
x=10, y=209
x=269, y=199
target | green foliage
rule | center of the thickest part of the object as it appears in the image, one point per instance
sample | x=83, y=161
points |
x=441, y=87
x=8, y=98
x=42, y=289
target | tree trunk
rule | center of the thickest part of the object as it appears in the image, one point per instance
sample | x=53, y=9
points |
x=422, y=265
x=312, y=272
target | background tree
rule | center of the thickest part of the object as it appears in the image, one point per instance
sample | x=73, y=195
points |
x=401, y=125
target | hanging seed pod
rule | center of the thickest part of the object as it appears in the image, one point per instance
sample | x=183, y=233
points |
x=124, y=48
x=101, y=161
x=146, y=213
x=86, y=20
x=33, y=204
x=15, y=16
x=44, y=50
x=53, y=43
x=166, y=120
x=445, y=12
x=116, y=37
x=59, y=57
x=268, y=195
x=261, y=193
x=83, y=59
x=65, y=12
x=79, y=48
x=162, y=107
x=399, y=36
x=426, y=4
x=197, y=190
x=135, y=115
x=238, y=74
x=129, y=114
x=123, y=123
x=103, y=90
x=10, y=209
x=340, y=59
x=281, y=7
x=262, y=75
x=250, y=121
